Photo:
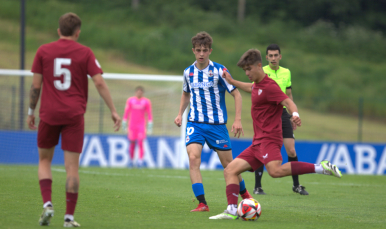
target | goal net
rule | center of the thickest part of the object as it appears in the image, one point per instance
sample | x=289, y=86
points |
x=102, y=146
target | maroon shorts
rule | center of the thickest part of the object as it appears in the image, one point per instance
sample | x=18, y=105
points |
x=72, y=135
x=262, y=153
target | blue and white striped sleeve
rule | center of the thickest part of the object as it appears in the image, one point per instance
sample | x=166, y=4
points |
x=185, y=86
x=225, y=83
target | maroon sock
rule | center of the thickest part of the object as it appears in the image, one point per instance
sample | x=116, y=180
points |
x=232, y=192
x=71, y=199
x=299, y=168
x=45, y=189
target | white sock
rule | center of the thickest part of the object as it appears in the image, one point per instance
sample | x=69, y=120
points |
x=232, y=209
x=318, y=168
x=70, y=217
x=46, y=204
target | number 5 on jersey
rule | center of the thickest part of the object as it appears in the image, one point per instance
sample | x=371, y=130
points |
x=60, y=70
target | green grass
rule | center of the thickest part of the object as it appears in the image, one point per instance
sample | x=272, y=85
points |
x=133, y=198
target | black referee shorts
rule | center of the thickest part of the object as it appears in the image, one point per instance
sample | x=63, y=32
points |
x=288, y=132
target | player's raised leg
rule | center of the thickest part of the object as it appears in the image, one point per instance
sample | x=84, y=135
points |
x=276, y=169
x=194, y=153
x=71, y=163
x=231, y=173
x=45, y=182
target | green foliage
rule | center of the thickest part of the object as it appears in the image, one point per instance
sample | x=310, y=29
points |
x=162, y=198
x=329, y=51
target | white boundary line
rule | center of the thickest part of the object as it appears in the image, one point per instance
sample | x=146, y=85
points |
x=186, y=177
x=121, y=174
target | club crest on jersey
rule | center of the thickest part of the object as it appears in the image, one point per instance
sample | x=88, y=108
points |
x=210, y=73
x=191, y=74
x=259, y=92
x=187, y=138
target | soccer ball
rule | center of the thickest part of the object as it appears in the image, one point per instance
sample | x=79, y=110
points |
x=249, y=209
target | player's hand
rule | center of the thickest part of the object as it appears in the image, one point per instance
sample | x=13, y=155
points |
x=149, y=128
x=296, y=120
x=227, y=76
x=178, y=120
x=117, y=120
x=124, y=126
x=31, y=122
x=237, y=129
x=294, y=127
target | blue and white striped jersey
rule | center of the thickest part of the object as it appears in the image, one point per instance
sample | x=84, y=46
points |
x=207, y=93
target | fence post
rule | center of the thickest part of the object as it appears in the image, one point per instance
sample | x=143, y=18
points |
x=101, y=115
x=22, y=52
x=13, y=108
x=360, y=118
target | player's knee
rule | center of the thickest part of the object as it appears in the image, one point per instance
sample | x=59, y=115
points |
x=194, y=158
x=71, y=168
x=44, y=160
x=291, y=152
x=228, y=171
x=275, y=173
x=194, y=162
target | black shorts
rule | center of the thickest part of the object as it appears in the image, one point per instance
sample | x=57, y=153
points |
x=288, y=132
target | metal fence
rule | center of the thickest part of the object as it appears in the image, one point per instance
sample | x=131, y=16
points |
x=326, y=119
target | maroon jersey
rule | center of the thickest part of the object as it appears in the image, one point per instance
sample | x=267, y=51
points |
x=266, y=111
x=64, y=65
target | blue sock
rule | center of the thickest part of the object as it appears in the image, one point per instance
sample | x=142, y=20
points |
x=198, y=189
x=242, y=185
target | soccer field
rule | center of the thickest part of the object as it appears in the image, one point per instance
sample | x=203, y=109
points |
x=147, y=198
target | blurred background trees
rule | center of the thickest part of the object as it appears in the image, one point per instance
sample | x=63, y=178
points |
x=334, y=49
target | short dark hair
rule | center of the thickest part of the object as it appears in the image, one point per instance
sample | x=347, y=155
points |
x=69, y=23
x=250, y=57
x=139, y=88
x=202, y=38
x=273, y=47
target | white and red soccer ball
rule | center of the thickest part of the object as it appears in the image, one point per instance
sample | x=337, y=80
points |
x=249, y=209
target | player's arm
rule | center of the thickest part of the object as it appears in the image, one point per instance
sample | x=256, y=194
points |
x=104, y=92
x=288, y=92
x=34, y=95
x=247, y=87
x=237, y=128
x=293, y=110
x=185, y=97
